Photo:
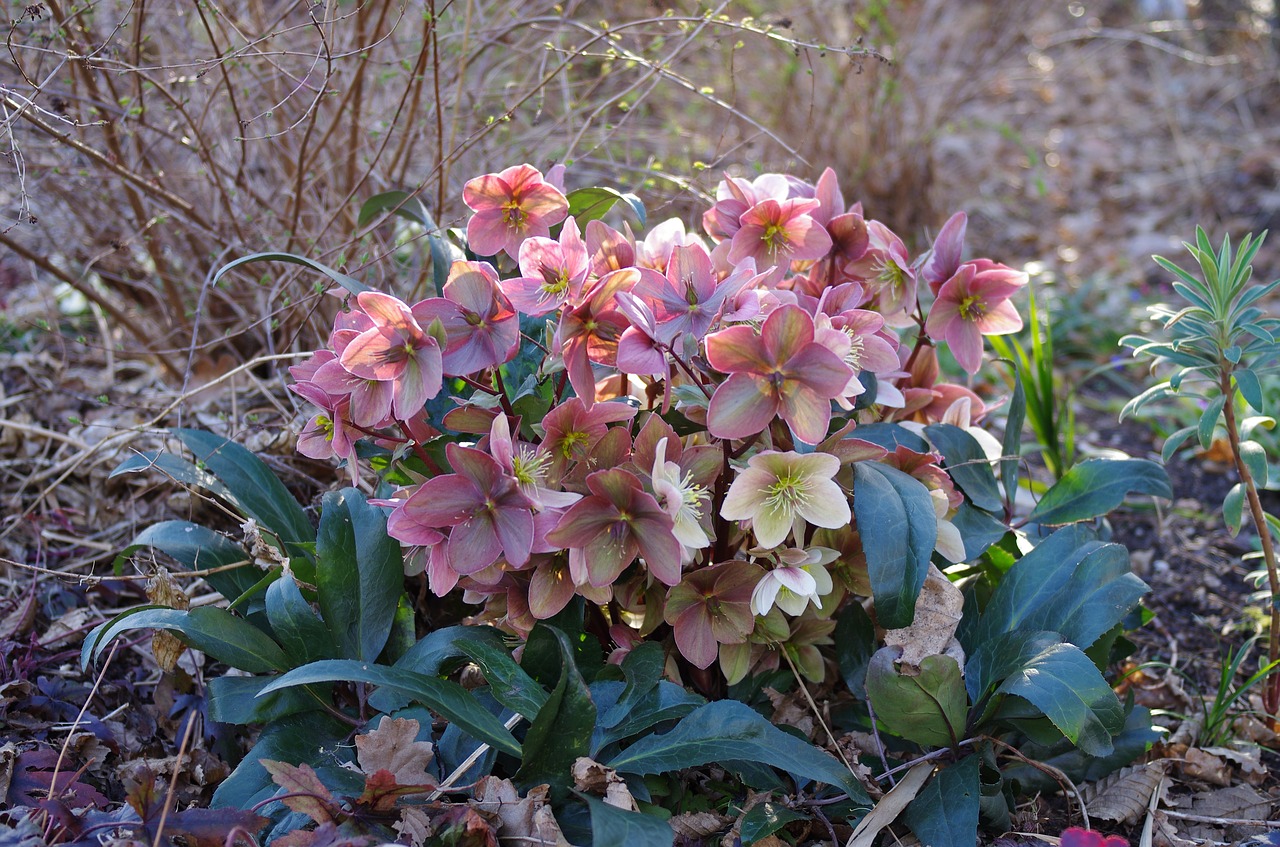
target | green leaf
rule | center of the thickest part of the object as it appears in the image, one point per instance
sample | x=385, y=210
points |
x=1233, y=508
x=1209, y=420
x=590, y=204
x=353, y=285
x=664, y=702
x=642, y=668
x=978, y=530
x=730, y=730
x=945, y=812
x=235, y=700
x=1067, y=687
x=178, y=469
x=764, y=819
x=1135, y=739
x=967, y=464
x=257, y=490
x=1094, y=487
x=199, y=548
x=215, y=631
x=1011, y=447
x=311, y=738
x=611, y=826
x=1174, y=442
x=411, y=207
x=1255, y=459
x=359, y=573
x=440, y=695
x=928, y=707
x=898, y=527
x=301, y=632
x=855, y=638
x=561, y=732
x=508, y=682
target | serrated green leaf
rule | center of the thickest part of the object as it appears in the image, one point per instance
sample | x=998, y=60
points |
x=257, y=490
x=611, y=826
x=730, y=730
x=214, y=631
x=1066, y=686
x=764, y=819
x=561, y=731
x=927, y=707
x=1094, y=487
x=440, y=695
x=359, y=573
x=945, y=812
x=898, y=528
x=199, y=548
x=967, y=464
x=508, y=682
x=300, y=631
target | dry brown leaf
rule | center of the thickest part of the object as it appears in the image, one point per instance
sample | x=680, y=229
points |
x=1203, y=765
x=1237, y=801
x=1248, y=761
x=938, y=612
x=308, y=794
x=699, y=824
x=792, y=710
x=594, y=778
x=414, y=826
x=1124, y=795
x=890, y=806
x=394, y=747
x=527, y=821
x=163, y=591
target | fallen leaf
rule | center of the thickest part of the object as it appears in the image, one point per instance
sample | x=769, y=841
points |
x=1203, y=765
x=526, y=820
x=1248, y=761
x=1237, y=801
x=697, y=825
x=163, y=591
x=594, y=778
x=1124, y=795
x=890, y=806
x=394, y=747
x=932, y=631
x=311, y=798
x=414, y=826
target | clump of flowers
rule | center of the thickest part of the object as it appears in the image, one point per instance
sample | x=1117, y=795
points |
x=667, y=426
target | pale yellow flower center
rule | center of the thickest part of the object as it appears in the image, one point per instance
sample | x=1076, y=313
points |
x=972, y=307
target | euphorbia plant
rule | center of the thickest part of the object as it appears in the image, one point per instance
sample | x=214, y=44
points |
x=1219, y=343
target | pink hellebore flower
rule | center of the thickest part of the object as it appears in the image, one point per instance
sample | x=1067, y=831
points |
x=885, y=269
x=509, y=207
x=482, y=328
x=370, y=399
x=608, y=529
x=655, y=250
x=573, y=427
x=777, y=489
x=552, y=272
x=780, y=232
x=689, y=298
x=528, y=467
x=590, y=331
x=711, y=607
x=330, y=433
x=974, y=303
x=948, y=248
x=488, y=514
x=395, y=349
x=735, y=196
x=782, y=371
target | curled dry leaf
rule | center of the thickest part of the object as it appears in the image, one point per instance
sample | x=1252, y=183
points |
x=698, y=825
x=594, y=778
x=394, y=747
x=164, y=591
x=1203, y=765
x=527, y=820
x=1125, y=795
x=938, y=612
x=1248, y=760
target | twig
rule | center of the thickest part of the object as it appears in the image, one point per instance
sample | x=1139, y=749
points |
x=468, y=762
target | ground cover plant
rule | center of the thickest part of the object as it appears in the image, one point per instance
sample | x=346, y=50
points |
x=310, y=643
x=670, y=470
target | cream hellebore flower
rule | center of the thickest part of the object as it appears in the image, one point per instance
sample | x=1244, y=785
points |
x=682, y=499
x=777, y=490
x=949, y=542
x=792, y=587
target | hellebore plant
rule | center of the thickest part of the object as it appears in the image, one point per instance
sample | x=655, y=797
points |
x=699, y=456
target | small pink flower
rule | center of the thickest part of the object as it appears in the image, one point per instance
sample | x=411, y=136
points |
x=782, y=371
x=777, y=232
x=974, y=303
x=710, y=607
x=482, y=328
x=553, y=272
x=948, y=249
x=509, y=207
x=885, y=269
x=689, y=298
x=395, y=349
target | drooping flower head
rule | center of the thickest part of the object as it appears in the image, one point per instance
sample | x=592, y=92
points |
x=395, y=349
x=974, y=303
x=480, y=325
